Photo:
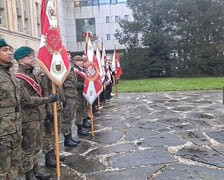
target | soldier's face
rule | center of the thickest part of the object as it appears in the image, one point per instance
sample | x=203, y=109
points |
x=5, y=54
x=29, y=59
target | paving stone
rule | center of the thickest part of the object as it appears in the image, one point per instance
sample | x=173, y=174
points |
x=127, y=174
x=145, y=157
x=182, y=171
x=163, y=139
x=203, y=155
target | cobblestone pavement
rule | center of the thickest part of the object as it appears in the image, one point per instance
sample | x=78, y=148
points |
x=161, y=135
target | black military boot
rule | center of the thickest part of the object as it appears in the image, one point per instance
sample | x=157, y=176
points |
x=30, y=175
x=82, y=131
x=41, y=175
x=86, y=123
x=69, y=141
x=50, y=159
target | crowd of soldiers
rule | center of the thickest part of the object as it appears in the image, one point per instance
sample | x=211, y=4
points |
x=26, y=113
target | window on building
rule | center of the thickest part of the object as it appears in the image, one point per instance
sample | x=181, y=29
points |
x=113, y=1
x=37, y=6
x=103, y=2
x=2, y=4
x=19, y=15
x=95, y=2
x=126, y=35
x=126, y=17
x=107, y=19
x=117, y=36
x=121, y=1
x=26, y=16
x=108, y=36
x=116, y=19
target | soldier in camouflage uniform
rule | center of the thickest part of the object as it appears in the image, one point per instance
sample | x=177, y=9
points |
x=68, y=113
x=81, y=118
x=10, y=121
x=31, y=113
x=48, y=139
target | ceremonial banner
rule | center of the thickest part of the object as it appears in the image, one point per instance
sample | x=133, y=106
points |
x=99, y=64
x=107, y=71
x=116, y=65
x=93, y=84
x=52, y=56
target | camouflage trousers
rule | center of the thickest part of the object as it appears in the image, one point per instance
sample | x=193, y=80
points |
x=48, y=138
x=10, y=157
x=31, y=143
x=81, y=109
x=68, y=114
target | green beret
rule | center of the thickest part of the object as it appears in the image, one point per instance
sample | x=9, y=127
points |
x=22, y=52
x=3, y=43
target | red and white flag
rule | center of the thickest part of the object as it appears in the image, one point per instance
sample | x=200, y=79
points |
x=52, y=56
x=99, y=64
x=93, y=84
x=115, y=66
x=107, y=70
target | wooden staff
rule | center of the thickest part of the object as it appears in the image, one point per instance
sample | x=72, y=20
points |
x=56, y=132
x=91, y=116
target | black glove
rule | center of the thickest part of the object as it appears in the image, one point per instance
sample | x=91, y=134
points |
x=64, y=102
x=47, y=124
x=53, y=97
x=50, y=117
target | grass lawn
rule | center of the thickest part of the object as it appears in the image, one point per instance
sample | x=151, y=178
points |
x=170, y=84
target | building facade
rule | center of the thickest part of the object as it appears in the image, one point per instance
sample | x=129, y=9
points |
x=100, y=17
x=20, y=22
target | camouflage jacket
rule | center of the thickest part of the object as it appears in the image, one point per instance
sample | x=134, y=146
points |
x=32, y=108
x=10, y=120
x=80, y=81
x=46, y=85
x=70, y=85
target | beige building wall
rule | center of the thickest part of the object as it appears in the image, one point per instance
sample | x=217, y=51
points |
x=20, y=22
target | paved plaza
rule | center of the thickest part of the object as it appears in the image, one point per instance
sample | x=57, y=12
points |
x=160, y=135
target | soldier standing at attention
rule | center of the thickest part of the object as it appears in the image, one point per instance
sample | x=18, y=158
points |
x=48, y=139
x=31, y=112
x=68, y=113
x=10, y=121
x=81, y=118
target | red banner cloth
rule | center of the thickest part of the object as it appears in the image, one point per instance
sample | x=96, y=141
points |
x=93, y=84
x=52, y=56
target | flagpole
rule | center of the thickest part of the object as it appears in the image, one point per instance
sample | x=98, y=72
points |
x=99, y=104
x=91, y=116
x=56, y=132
